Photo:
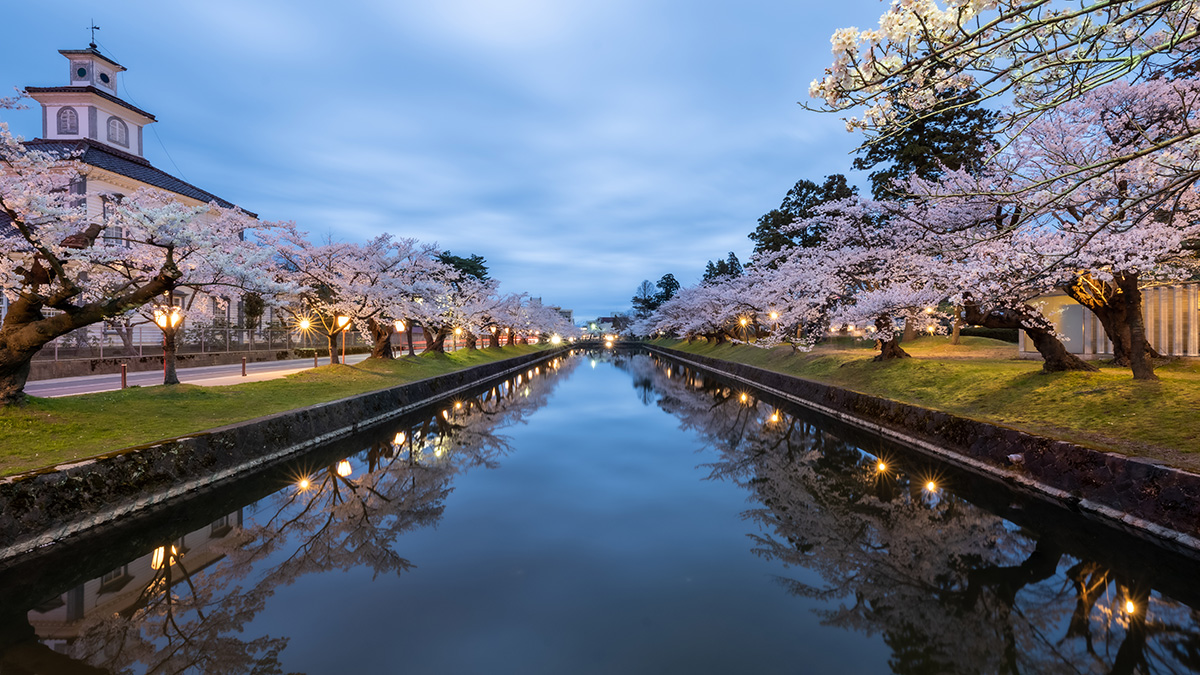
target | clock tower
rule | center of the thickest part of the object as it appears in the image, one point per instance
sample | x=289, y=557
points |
x=88, y=107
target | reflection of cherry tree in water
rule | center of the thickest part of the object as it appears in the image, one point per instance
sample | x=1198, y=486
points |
x=187, y=620
x=950, y=587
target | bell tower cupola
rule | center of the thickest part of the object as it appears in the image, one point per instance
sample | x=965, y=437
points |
x=89, y=107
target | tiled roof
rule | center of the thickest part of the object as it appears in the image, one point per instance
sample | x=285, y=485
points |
x=92, y=90
x=90, y=51
x=125, y=164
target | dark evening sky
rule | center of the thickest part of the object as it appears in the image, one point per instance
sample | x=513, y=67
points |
x=581, y=146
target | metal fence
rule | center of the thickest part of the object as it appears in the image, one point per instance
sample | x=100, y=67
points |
x=96, y=343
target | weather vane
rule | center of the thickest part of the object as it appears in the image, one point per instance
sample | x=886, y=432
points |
x=93, y=28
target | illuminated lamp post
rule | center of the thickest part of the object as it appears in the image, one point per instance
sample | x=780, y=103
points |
x=457, y=332
x=398, y=324
x=743, y=321
x=343, y=322
x=169, y=319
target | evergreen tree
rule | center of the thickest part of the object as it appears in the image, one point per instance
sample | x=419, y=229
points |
x=800, y=203
x=667, y=287
x=955, y=138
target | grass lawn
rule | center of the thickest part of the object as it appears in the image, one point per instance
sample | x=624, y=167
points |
x=982, y=379
x=48, y=431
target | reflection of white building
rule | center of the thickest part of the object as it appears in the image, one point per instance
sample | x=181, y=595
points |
x=57, y=621
x=1171, y=313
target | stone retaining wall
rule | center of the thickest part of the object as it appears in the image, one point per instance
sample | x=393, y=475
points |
x=44, y=506
x=1161, y=501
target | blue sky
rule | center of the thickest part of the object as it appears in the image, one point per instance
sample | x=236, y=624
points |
x=581, y=146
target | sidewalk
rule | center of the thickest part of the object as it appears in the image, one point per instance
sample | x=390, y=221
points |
x=207, y=376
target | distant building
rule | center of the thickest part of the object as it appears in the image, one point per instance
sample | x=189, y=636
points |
x=1171, y=314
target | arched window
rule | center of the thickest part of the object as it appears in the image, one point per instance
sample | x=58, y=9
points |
x=118, y=132
x=68, y=121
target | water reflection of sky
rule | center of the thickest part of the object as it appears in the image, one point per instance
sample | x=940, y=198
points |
x=564, y=523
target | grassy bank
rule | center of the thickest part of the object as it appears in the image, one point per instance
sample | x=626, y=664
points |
x=982, y=379
x=48, y=431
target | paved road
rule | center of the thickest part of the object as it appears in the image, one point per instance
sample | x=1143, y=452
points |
x=208, y=376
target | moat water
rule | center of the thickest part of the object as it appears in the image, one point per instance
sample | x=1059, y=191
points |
x=605, y=513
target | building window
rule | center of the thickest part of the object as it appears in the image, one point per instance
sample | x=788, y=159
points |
x=115, y=580
x=68, y=121
x=114, y=235
x=118, y=132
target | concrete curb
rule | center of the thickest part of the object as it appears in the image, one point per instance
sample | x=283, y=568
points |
x=1152, y=501
x=45, y=506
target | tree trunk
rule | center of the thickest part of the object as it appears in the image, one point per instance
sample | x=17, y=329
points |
x=333, y=353
x=14, y=373
x=1108, y=302
x=409, y=332
x=169, y=360
x=956, y=329
x=1139, y=360
x=494, y=340
x=435, y=343
x=126, y=333
x=910, y=331
x=890, y=348
x=381, y=339
x=26, y=329
x=1040, y=330
x=471, y=341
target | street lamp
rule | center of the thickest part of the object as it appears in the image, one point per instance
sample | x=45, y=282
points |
x=342, y=323
x=743, y=321
x=457, y=332
x=168, y=318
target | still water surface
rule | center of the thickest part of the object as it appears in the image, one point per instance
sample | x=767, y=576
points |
x=606, y=513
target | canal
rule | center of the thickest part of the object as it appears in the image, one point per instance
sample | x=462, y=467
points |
x=606, y=512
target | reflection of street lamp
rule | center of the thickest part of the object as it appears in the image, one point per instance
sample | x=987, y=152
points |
x=344, y=469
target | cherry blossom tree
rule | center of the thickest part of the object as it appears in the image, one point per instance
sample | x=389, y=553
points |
x=59, y=278
x=343, y=285
x=1099, y=239
x=925, y=59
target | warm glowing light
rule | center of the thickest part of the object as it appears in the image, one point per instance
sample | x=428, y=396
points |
x=744, y=398
x=1130, y=607
x=931, y=330
x=493, y=330
x=304, y=483
x=159, y=558
x=344, y=469
x=775, y=417
x=343, y=321
x=304, y=325
x=881, y=467
x=399, y=324
x=399, y=439
x=164, y=317
x=774, y=315
x=458, y=405
x=555, y=340
x=743, y=321
x=931, y=486
x=929, y=310
x=608, y=343
x=458, y=331
x=446, y=414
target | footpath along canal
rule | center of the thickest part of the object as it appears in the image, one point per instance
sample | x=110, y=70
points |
x=607, y=512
